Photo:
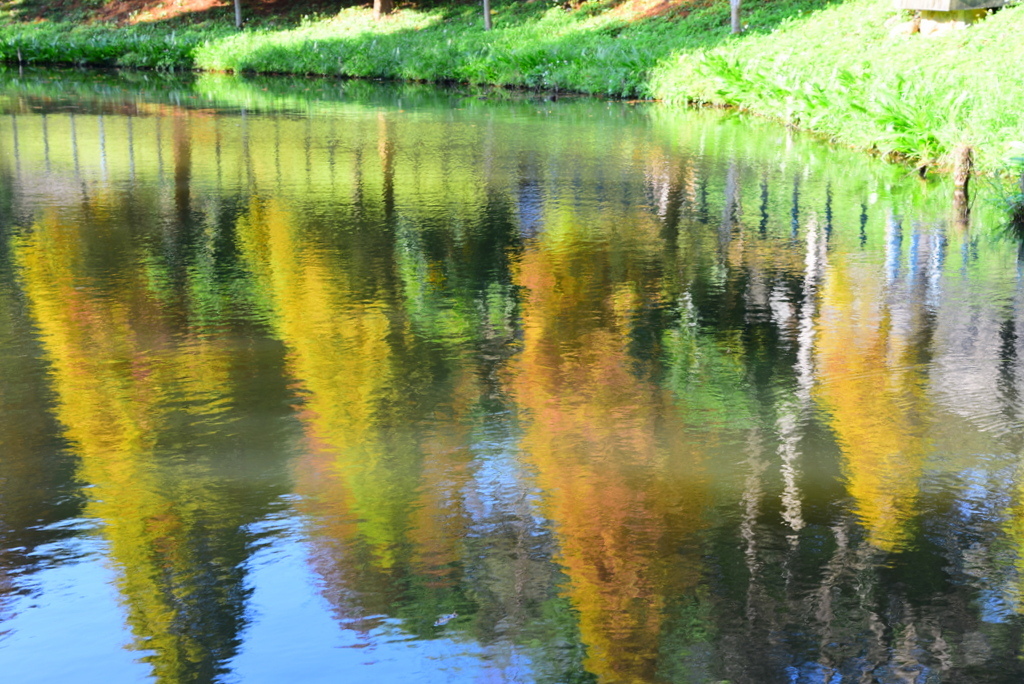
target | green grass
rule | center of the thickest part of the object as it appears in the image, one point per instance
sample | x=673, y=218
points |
x=838, y=71
x=534, y=46
x=829, y=67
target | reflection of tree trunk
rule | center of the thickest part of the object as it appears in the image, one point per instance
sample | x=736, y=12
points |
x=277, y=152
x=529, y=195
x=791, y=414
x=1018, y=369
x=828, y=211
x=103, y=148
x=673, y=208
x=824, y=610
x=1011, y=370
x=730, y=212
x=131, y=148
x=788, y=425
x=893, y=248
x=386, y=151
x=182, y=167
x=331, y=149
x=755, y=466
x=246, y=151
x=907, y=668
x=74, y=146
x=863, y=224
x=703, y=216
x=17, y=154
x=488, y=149
x=762, y=228
x=925, y=260
x=309, y=154
x=751, y=509
x=357, y=182
x=159, y=148
x=216, y=153
x=670, y=230
x=46, y=143
x=794, y=223
x=524, y=568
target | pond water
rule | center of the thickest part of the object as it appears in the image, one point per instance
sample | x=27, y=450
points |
x=309, y=381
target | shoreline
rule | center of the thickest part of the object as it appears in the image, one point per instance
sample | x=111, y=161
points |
x=833, y=69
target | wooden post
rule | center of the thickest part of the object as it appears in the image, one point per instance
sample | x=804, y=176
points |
x=734, y=13
x=382, y=7
x=487, y=15
x=238, y=14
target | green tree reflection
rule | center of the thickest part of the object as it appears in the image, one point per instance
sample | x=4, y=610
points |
x=134, y=401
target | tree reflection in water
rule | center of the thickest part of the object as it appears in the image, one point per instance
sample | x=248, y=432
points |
x=594, y=394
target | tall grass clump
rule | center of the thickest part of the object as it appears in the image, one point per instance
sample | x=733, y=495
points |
x=141, y=46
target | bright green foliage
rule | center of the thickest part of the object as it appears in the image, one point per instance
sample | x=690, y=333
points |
x=149, y=47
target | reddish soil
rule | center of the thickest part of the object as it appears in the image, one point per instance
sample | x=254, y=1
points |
x=647, y=9
x=182, y=11
x=189, y=11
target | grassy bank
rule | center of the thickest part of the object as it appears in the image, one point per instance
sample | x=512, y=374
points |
x=596, y=49
x=840, y=72
x=831, y=67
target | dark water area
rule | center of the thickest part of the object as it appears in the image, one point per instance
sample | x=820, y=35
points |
x=308, y=381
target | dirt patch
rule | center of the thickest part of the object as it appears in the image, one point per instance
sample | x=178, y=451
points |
x=135, y=11
x=633, y=10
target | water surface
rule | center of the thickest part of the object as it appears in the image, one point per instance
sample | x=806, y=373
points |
x=315, y=381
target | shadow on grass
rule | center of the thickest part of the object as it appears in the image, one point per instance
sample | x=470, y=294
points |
x=533, y=46
x=605, y=47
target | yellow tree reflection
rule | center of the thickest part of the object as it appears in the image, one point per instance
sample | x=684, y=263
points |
x=383, y=496
x=875, y=393
x=113, y=369
x=620, y=487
